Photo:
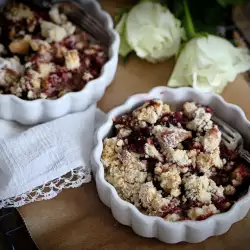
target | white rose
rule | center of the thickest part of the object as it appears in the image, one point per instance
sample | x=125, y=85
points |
x=150, y=30
x=208, y=64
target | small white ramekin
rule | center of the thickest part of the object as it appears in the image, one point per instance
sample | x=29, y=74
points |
x=38, y=111
x=151, y=226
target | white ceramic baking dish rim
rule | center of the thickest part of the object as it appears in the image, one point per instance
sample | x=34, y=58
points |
x=41, y=110
x=151, y=226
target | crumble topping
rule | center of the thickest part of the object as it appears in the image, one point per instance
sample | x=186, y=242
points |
x=180, y=157
x=212, y=139
x=40, y=45
x=152, y=152
x=10, y=70
x=126, y=157
x=127, y=174
x=173, y=164
x=20, y=12
x=56, y=17
x=170, y=181
x=152, y=200
x=189, y=108
x=54, y=56
x=123, y=132
x=53, y=32
x=72, y=59
x=170, y=137
x=45, y=69
x=172, y=217
x=217, y=161
x=166, y=109
x=109, y=154
x=202, y=120
x=198, y=213
x=201, y=188
x=204, y=162
x=229, y=190
x=149, y=112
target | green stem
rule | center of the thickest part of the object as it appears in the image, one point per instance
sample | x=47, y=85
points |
x=189, y=22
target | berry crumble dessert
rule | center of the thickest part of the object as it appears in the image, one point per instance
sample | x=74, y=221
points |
x=43, y=55
x=173, y=164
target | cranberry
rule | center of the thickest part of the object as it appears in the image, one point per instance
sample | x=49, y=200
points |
x=59, y=61
x=145, y=131
x=30, y=24
x=136, y=142
x=189, y=144
x=217, y=180
x=94, y=72
x=53, y=79
x=149, y=141
x=123, y=120
x=150, y=169
x=165, y=118
x=221, y=203
x=172, y=208
x=196, y=145
x=176, y=118
x=70, y=43
x=34, y=57
x=242, y=170
x=138, y=147
x=59, y=77
x=63, y=74
x=191, y=203
x=184, y=120
x=100, y=61
x=38, y=36
x=192, y=169
x=225, y=153
x=204, y=216
x=209, y=110
x=167, y=133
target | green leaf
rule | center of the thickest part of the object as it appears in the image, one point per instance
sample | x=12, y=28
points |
x=202, y=34
x=225, y=3
x=178, y=8
x=182, y=46
x=154, y=1
x=206, y=15
x=120, y=13
x=188, y=20
x=125, y=48
x=125, y=58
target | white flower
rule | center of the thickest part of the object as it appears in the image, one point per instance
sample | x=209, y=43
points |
x=151, y=30
x=208, y=64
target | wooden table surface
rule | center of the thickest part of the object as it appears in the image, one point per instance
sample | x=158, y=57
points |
x=76, y=218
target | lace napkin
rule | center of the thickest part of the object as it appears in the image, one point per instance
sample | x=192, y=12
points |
x=39, y=162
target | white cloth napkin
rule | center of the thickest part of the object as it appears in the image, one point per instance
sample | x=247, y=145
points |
x=44, y=152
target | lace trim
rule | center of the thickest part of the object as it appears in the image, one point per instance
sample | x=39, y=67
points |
x=73, y=179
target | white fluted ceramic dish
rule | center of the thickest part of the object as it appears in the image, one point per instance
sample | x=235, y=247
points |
x=38, y=111
x=151, y=226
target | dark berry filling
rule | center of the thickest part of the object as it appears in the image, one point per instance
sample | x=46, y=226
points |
x=235, y=172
